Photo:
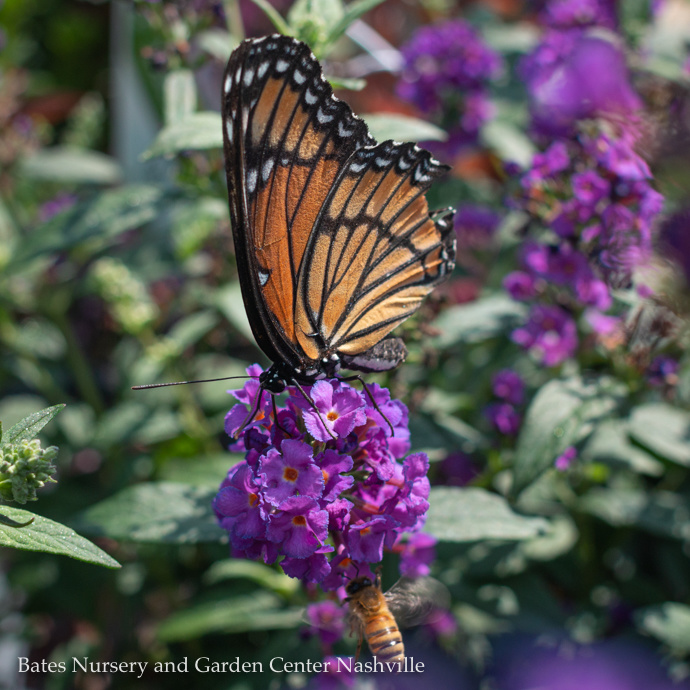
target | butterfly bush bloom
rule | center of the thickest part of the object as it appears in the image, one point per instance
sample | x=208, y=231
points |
x=325, y=486
x=587, y=185
x=446, y=72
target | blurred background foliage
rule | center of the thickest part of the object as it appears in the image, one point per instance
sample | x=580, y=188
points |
x=117, y=269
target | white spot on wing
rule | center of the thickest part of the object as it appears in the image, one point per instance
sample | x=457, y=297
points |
x=343, y=131
x=323, y=117
x=228, y=129
x=266, y=169
x=299, y=77
x=282, y=65
x=248, y=76
x=263, y=67
x=228, y=83
x=310, y=97
x=252, y=180
x=263, y=277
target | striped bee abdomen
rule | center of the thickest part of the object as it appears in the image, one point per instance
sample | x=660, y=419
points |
x=384, y=638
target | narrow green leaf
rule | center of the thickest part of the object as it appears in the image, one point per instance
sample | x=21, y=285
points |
x=385, y=126
x=179, y=94
x=47, y=536
x=265, y=577
x=194, y=132
x=562, y=414
x=258, y=611
x=276, y=19
x=353, y=11
x=668, y=622
x=664, y=429
x=29, y=427
x=67, y=164
x=156, y=512
x=353, y=84
x=462, y=515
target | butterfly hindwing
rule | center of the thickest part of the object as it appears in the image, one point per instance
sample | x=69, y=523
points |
x=375, y=252
x=334, y=241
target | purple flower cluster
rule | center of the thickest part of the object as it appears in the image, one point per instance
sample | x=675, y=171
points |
x=509, y=388
x=588, y=186
x=446, y=71
x=322, y=485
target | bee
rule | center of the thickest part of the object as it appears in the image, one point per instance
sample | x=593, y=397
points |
x=412, y=600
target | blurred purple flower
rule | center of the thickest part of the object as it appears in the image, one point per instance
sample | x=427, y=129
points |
x=417, y=554
x=327, y=620
x=335, y=675
x=446, y=70
x=509, y=386
x=60, y=202
x=568, y=14
x=504, y=417
x=562, y=89
x=662, y=371
x=674, y=240
x=520, y=285
x=475, y=226
x=457, y=469
x=550, y=332
x=565, y=459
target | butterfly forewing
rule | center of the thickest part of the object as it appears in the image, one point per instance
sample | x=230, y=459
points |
x=286, y=140
x=333, y=237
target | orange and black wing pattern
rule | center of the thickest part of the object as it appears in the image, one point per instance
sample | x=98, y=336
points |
x=333, y=237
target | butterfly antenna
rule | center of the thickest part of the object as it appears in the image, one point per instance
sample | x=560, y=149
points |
x=184, y=383
x=316, y=409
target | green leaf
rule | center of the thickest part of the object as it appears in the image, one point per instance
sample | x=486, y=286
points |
x=661, y=512
x=478, y=321
x=310, y=21
x=189, y=330
x=508, y=141
x=102, y=218
x=156, y=512
x=262, y=575
x=179, y=93
x=470, y=514
x=610, y=444
x=70, y=165
x=217, y=42
x=257, y=611
x=230, y=302
x=194, y=132
x=276, y=19
x=206, y=470
x=562, y=414
x=29, y=427
x=664, y=429
x=353, y=83
x=353, y=11
x=669, y=623
x=47, y=536
x=402, y=128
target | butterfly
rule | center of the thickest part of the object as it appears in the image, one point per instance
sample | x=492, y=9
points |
x=334, y=241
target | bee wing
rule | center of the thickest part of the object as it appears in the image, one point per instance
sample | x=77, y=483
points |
x=415, y=600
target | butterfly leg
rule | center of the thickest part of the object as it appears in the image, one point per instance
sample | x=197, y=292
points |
x=357, y=377
x=275, y=416
x=307, y=397
x=251, y=415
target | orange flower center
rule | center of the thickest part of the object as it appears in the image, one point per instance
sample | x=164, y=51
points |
x=253, y=500
x=299, y=520
x=332, y=416
x=290, y=474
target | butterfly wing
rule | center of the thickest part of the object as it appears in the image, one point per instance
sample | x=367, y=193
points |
x=286, y=141
x=375, y=252
x=334, y=242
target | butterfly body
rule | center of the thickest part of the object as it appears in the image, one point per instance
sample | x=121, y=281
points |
x=334, y=241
